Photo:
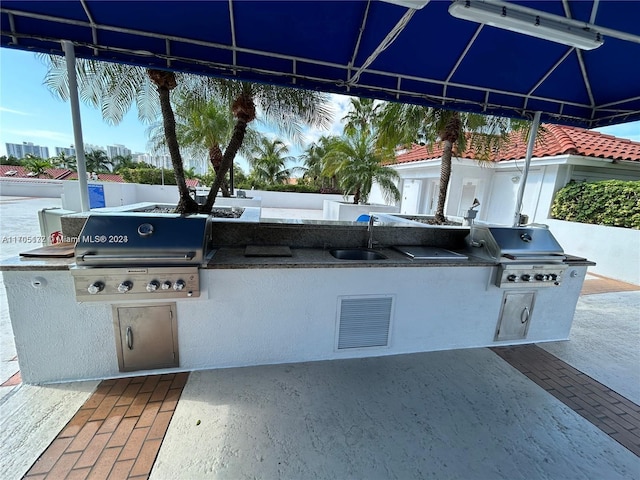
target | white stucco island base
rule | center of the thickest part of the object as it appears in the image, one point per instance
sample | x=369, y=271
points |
x=253, y=316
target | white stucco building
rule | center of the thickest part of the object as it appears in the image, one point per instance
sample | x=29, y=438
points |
x=561, y=154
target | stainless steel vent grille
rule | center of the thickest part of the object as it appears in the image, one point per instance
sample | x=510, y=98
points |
x=364, y=322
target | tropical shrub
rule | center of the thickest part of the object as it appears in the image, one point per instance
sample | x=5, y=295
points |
x=610, y=202
x=148, y=176
x=292, y=188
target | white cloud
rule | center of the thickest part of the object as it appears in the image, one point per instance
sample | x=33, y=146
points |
x=39, y=136
x=339, y=105
x=14, y=112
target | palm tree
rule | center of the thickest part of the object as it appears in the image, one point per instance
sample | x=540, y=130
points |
x=269, y=161
x=64, y=161
x=115, y=87
x=363, y=115
x=404, y=124
x=36, y=165
x=203, y=127
x=314, y=162
x=97, y=161
x=357, y=159
x=286, y=109
x=121, y=162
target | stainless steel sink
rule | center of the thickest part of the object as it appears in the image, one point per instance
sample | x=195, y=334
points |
x=356, y=254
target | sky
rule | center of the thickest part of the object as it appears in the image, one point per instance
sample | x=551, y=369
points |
x=30, y=113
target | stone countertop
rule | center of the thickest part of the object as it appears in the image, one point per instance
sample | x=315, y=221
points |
x=36, y=263
x=234, y=257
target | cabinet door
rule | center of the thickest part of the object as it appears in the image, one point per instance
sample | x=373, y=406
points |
x=146, y=337
x=515, y=315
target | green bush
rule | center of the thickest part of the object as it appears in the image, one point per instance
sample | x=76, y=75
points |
x=292, y=188
x=148, y=176
x=612, y=202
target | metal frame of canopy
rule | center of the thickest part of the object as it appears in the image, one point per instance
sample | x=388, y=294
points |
x=360, y=48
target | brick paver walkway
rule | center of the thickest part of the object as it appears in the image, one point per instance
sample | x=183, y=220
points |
x=612, y=413
x=598, y=284
x=116, y=434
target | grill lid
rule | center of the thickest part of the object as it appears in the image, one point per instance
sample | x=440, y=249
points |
x=517, y=243
x=149, y=239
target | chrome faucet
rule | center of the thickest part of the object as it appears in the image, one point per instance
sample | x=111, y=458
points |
x=372, y=220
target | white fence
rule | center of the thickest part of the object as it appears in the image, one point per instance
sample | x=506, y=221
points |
x=616, y=251
x=17, y=187
x=118, y=194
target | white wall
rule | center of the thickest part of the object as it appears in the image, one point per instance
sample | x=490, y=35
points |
x=31, y=188
x=118, y=194
x=350, y=212
x=311, y=201
x=616, y=251
x=244, y=318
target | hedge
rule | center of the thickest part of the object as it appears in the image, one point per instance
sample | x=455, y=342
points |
x=612, y=202
x=148, y=176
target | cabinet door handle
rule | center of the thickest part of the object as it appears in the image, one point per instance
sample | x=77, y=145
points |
x=129, y=338
x=524, y=316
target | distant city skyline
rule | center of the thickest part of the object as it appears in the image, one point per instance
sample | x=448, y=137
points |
x=158, y=160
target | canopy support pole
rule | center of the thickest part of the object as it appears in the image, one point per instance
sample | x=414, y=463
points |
x=533, y=132
x=70, y=57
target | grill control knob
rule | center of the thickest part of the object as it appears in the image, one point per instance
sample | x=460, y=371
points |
x=153, y=285
x=542, y=278
x=526, y=277
x=512, y=278
x=166, y=285
x=95, y=287
x=125, y=286
x=179, y=285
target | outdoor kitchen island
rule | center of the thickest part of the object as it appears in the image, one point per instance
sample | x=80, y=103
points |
x=276, y=293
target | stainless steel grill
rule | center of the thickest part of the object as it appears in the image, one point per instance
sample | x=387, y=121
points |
x=133, y=256
x=526, y=256
x=151, y=239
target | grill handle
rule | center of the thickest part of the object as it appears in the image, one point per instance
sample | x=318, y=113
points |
x=145, y=258
x=129, y=338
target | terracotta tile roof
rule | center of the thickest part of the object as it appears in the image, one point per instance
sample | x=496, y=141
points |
x=6, y=171
x=555, y=140
x=112, y=177
x=59, y=173
x=103, y=177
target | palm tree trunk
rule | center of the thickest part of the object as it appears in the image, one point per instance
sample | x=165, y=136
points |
x=215, y=158
x=445, y=174
x=244, y=110
x=165, y=81
x=450, y=135
x=235, y=143
x=356, y=196
x=186, y=203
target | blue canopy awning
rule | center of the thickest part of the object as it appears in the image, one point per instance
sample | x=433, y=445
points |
x=359, y=48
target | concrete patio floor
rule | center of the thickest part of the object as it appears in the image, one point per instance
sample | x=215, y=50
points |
x=462, y=414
